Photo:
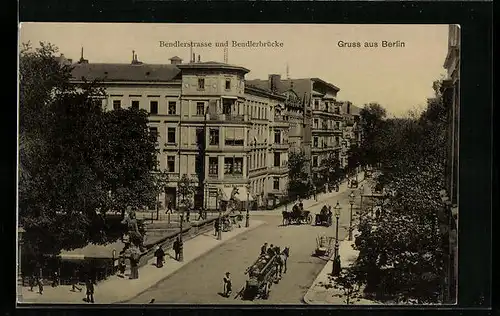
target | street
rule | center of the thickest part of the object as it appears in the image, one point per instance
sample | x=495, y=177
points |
x=200, y=281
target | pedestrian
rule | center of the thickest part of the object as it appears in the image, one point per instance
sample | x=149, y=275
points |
x=90, y=290
x=227, y=284
x=177, y=248
x=263, y=249
x=39, y=282
x=160, y=256
x=169, y=207
x=74, y=281
x=32, y=282
x=217, y=225
x=134, y=264
x=121, y=264
x=55, y=279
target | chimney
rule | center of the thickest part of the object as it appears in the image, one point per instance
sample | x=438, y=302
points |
x=199, y=58
x=193, y=58
x=274, y=82
x=133, y=56
x=348, y=108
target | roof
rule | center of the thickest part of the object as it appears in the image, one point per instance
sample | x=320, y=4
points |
x=175, y=58
x=125, y=72
x=212, y=65
x=251, y=88
x=326, y=84
x=353, y=109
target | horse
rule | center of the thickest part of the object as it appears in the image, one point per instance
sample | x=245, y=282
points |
x=282, y=258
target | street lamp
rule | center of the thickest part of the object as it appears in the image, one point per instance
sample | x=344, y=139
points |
x=247, y=222
x=219, y=231
x=336, y=256
x=181, y=246
x=351, y=201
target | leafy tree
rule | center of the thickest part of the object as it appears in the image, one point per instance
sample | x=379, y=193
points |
x=186, y=188
x=401, y=252
x=330, y=167
x=372, y=117
x=299, y=184
x=72, y=154
x=349, y=286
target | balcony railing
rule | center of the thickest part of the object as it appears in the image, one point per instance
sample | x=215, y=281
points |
x=226, y=117
x=280, y=145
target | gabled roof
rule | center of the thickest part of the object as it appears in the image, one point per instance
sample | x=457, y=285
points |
x=125, y=72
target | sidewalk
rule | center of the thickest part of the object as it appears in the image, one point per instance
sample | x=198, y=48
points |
x=318, y=294
x=118, y=289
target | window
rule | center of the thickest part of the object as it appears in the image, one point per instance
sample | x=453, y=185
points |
x=171, y=135
x=228, y=84
x=276, y=184
x=213, y=166
x=135, y=105
x=171, y=107
x=336, y=140
x=315, y=144
x=153, y=131
x=277, y=137
x=234, y=136
x=171, y=163
x=315, y=161
x=200, y=108
x=258, y=113
x=316, y=123
x=117, y=104
x=327, y=105
x=201, y=83
x=227, y=107
x=214, y=136
x=337, y=125
x=233, y=166
x=153, y=107
x=316, y=104
x=277, y=159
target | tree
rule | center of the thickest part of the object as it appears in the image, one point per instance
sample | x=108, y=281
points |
x=72, y=154
x=349, y=285
x=299, y=184
x=186, y=188
x=372, y=118
x=401, y=252
x=330, y=167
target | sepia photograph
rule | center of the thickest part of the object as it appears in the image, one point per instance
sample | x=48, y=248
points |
x=241, y=164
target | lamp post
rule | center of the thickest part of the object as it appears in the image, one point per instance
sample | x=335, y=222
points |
x=219, y=230
x=351, y=201
x=361, y=192
x=181, y=245
x=336, y=249
x=247, y=222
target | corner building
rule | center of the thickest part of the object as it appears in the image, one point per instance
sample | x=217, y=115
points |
x=210, y=126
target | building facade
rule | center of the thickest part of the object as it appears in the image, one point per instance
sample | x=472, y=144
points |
x=451, y=100
x=211, y=127
x=351, y=133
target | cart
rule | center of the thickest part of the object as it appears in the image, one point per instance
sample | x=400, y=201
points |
x=324, y=246
x=261, y=276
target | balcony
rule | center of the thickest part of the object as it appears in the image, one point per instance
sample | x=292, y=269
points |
x=280, y=146
x=235, y=118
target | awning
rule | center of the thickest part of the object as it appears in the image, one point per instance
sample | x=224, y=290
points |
x=229, y=97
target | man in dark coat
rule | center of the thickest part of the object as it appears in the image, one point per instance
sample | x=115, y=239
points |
x=263, y=249
x=160, y=256
x=177, y=248
x=90, y=290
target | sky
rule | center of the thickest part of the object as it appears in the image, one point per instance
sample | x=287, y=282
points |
x=399, y=78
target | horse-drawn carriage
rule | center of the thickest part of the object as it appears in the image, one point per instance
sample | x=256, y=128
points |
x=324, y=218
x=265, y=271
x=297, y=216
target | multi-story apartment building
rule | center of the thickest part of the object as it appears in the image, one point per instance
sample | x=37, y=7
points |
x=211, y=127
x=317, y=120
x=351, y=133
x=451, y=100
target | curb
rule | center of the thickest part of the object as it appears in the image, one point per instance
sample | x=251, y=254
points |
x=305, y=299
x=124, y=301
